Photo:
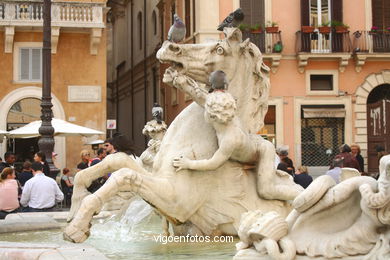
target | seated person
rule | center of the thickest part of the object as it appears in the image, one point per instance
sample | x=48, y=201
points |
x=302, y=177
x=335, y=172
x=26, y=173
x=235, y=144
x=8, y=192
x=40, y=193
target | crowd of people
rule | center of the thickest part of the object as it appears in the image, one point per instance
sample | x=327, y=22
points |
x=348, y=157
x=35, y=188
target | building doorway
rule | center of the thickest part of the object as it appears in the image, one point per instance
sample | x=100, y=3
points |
x=378, y=132
x=21, y=113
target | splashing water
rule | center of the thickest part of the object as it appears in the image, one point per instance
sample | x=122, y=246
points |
x=127, y=228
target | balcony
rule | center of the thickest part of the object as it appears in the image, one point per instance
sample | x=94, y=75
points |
x=368, y=45
x=74, y=15
x=323, y=46
x=270, y=45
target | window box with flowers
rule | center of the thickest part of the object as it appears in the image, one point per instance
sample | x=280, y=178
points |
x=272, y=27
x=324, y=28
x=374, y=30
x=256, y=28
x=307, y=29
x=339, y=27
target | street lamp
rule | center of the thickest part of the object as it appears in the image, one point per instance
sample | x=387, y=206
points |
x=46, y=142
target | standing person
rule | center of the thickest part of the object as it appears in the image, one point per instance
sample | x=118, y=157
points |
x=8, y=192
x=302, y=177
x=349, y=160
x=85, y=157
x=101, y=153
x=41, y=158
x=355, y=151
x=26, y=173
x=9, y=158
x=40, y=193
x=67, y=185
x=96, y=184
x=109, y=146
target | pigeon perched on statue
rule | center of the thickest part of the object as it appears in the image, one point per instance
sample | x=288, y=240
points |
x=232, y=20
x=157, y=113
x=218, y=81
x=177, y=32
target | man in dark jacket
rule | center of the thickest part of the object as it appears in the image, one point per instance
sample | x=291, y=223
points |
x=9, y=158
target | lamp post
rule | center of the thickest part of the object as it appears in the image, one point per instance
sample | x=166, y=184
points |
x=46, y=142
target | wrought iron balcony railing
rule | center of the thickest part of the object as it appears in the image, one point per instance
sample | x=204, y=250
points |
x=371, y=42
x=317, y=42
x=267, y=42
x=64, y=14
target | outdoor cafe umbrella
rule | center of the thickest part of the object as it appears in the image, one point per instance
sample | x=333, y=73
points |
x=2, y=134
x=61, y=128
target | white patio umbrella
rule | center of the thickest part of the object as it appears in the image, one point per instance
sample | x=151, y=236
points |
x=2, y=134
x=61, y=128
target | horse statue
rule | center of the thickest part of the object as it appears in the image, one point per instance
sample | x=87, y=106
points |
x=195, y=202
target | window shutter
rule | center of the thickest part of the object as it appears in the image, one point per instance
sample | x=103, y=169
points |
x=381, y=13
x=305, y=12
x=36, y=64
x=254, y=11
x=187, y=17
x=246, y=8
x=337, y=10
x=258, y=12
x=386, y=14
x=24, y=66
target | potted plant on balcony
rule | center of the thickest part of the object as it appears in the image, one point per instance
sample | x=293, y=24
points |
x=272, y=27
x=374, y=30
x=307, y=29
x=256, y=28
x=244, y=27
x=339, y=27
x=324, y=28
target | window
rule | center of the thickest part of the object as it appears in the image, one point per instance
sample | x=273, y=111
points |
x=269, y=130
x=139, y=18
x=30, y=64
x=320, y=82
x=319, y=12
x=321, y=138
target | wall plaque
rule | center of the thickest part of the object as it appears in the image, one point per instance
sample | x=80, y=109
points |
x=84, y=93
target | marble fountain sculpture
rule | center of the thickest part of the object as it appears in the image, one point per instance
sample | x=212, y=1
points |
x=210, y=200
x=209, y=174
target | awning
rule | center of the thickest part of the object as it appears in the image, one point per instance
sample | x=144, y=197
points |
x=323, y=112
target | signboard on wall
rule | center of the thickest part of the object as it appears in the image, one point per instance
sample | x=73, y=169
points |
x=84, y=94
x=111, y=124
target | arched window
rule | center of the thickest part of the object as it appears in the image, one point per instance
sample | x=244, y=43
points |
x=154, y=20
x=139, y=19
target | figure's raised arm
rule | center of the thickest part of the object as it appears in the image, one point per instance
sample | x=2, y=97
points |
x=220, y=156
x=190, y=87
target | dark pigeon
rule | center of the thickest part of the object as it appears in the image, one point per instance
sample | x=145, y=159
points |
x=218, y=80
x=233, y=20
x=177, y=32
x=157, y=113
